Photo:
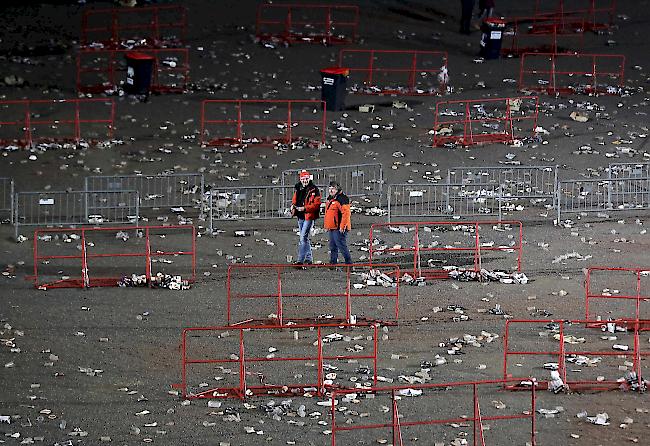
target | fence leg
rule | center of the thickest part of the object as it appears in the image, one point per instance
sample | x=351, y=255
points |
x=85, y=280
x=242, y=366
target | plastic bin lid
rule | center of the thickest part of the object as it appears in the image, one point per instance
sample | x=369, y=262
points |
x=336, y=70
x=495, y=21
x=139, y=55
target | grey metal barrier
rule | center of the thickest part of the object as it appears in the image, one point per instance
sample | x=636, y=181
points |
x=526, y=182
x=622, y=194
x=6, y=199
x=63, y=208
x=357, y=180
x=445, y=200
x=628, y=170
x=249, y=202
x=163, y=191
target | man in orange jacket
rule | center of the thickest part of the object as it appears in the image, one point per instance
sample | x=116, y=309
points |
x=305, y=205
x=337, y=222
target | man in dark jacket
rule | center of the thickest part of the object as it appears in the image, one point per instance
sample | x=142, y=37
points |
x=305, y=206
x=337, y=222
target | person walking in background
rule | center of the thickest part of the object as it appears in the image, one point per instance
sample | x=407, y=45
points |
x=466, y=9
x=305, y=206
x=485, y=9
x=337, y=222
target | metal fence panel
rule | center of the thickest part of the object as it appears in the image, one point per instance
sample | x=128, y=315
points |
x=99, y=70
x=278, y=294
x=308, y=351
x=313, y=23
x=490, y=415
x=97, y=257
x=158, y=26
x=444, y=200
x=570, y=73
x=409, y=72
x=357, y=180
x=628, y=170
x=29, y=122
x=553, y=349
x=617, y=293
x=432, y=249
x=589, y=15
x=183, y=190
x=623, y=194
x=264, y=122
x=6, y=198
x=250, y=202
x=535, y=182
x=485, y=121
x=62, y=208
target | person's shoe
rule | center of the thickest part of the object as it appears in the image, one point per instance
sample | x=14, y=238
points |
x=298, y=265
x=308, y=262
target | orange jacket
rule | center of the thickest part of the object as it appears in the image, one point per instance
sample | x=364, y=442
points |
x=310, y=199
x=337, y=212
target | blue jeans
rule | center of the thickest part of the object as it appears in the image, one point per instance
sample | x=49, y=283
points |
x=338, y=242
x=304, y=247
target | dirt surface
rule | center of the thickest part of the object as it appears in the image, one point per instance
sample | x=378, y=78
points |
x=82, y=366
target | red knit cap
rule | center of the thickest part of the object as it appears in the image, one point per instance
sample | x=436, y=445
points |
x=304, y=174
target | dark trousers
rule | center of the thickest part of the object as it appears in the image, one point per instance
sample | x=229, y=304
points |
x=338, y=242
x=467, y=7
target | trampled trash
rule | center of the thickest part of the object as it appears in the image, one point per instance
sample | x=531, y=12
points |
x=631, y=382
x=158, y=280
x=485, y=275
x=556, y=385
x=601, y=419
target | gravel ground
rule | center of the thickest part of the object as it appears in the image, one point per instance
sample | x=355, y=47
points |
x=84, y=366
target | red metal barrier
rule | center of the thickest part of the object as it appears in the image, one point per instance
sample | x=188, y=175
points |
x=152, y=26
x=30, y=122
x=262, y=122
x=276, y=294
x=455, y=244
x=435, y=413
x=617, y=293
x=591, y=15
x=314, y=23
x=572, y=73
x=99, y=257
x=481, y=121
x=102, y=70
x=272, y=356
x=590, y=361
x=523, y=35
x=396, y=72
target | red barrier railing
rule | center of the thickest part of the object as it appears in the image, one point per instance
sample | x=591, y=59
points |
x=262, y=122
x=262, y=355
x=568, y=335
x=30, y=122
x=617, y=293
x=315, y=23
x=406, y=414
x=591, y=15
x=396, y=72
x=522, y=35
x=102, y=70
x=572, y=73
x=152, y=26
x=276, y=294
x=88, y=257
x=466, y=243
x=484, y=121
